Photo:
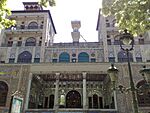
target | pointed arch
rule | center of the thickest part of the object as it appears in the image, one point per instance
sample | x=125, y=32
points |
x=83, y=57
x=33, y=25
x=24, y=57
x=51, y=101
x=95, y=101
x=64, y=57
x=3, y=93
x=30, y=42
x=122, y=56
x=73, y=99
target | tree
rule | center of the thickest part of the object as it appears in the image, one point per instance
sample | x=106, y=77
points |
x=133, y=15
x=45, y=3
x=5, y=12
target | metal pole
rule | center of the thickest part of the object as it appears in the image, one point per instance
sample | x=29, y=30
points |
x=133, y=90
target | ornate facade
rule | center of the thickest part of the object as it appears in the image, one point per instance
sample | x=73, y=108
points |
x=67, y=77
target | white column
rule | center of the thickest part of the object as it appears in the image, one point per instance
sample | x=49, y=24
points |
x=28, y=92
x=33, y=54
x=115, y=100
x=16, y=55
x=56, y=104
x=15, y=42
x=134, y=57
x=115, y=53
x=84, y=91
x=8, y=55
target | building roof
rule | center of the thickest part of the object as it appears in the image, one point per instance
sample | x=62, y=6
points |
x=98, y=20
x=37, y=11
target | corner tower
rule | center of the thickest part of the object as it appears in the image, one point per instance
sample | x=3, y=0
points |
x=33, y=32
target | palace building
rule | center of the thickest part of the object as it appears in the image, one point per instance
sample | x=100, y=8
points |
x=67, y=77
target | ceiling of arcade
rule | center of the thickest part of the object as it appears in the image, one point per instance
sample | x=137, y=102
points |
x=69, y=80
x=70, y=77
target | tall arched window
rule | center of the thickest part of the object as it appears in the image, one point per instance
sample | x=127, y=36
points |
x=64, y=57
x=144, y=96
x=111, y=57
x=138, y=57
x=51, y=101
x=33, y=25
x=3, y=93
x=83, y=57
x=95, y=101
x=73, y=99
x=30, y=42
x=25, y=57
x=122, y=56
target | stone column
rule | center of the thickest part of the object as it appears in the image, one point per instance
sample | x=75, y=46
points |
x=115, y=100
x=28, y=92
x=23, y=42
x=33, y=54
x=84, y=91
x=15, y=43
x=16, y=55
x=56, y=104
x=8, y=55
x=134, y=57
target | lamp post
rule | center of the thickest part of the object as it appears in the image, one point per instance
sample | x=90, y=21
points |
x=126, y=44
x=113, y=72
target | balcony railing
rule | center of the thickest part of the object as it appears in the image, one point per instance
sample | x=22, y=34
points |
x=71, y=111
x=24, y=28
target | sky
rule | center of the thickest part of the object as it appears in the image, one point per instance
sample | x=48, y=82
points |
x=66, y=11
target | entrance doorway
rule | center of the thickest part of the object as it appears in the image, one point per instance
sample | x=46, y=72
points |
x=73, y=99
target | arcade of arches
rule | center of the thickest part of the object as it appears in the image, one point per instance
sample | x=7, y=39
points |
x=71, y=90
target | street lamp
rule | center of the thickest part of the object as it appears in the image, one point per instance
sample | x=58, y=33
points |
x=126, y=44
x=113, y=72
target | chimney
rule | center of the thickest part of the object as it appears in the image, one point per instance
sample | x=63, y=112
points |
x=75, y=34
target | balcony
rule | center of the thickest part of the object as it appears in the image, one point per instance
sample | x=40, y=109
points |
x=71, y=111
x=24, y=28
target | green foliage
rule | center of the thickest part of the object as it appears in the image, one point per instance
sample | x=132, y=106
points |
x=45, y=3
x=133, y=15
x=4, y=12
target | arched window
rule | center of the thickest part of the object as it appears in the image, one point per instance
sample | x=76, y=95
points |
x=64, y=57
x=73, y=99
x=33, y=25
x=25, y=57
x=51, y=101
x=111, y=57
x=138, y=57
x=144, y=96
x=83, y=57
x=122, y=56
x=3, y=93
x=30, y=42
x=95, y=101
